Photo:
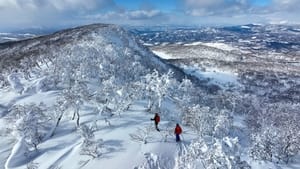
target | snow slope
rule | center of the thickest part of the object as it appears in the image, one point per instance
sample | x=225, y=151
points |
x=217, y=45
x=125, y=140
x=120, y=151
x=110, y=44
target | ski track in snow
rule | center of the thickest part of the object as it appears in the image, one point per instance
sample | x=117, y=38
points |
x=63, y=154
x=5, y=150
x=63, y=147
x=136, y=118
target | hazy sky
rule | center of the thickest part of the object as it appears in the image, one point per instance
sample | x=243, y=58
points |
x=63, y=13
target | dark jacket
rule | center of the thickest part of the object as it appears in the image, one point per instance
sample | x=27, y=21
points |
x=157, y=118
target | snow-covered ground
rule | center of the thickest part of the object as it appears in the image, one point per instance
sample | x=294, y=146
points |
x=124, y=139
x=215, y=76
x=217, y=45
x=119, y=138
x=120, y=150
x=163, y=55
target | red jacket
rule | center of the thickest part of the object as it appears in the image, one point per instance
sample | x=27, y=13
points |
x=178, y=130
x=157, y=118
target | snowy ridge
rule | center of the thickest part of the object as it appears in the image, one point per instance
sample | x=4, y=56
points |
x=96, y=54
x=84, y=98
x=97, y=34
x=97, y=39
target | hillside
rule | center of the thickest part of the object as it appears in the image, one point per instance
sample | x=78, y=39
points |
x=84, y=98
x=101, y=36
x=98, y=73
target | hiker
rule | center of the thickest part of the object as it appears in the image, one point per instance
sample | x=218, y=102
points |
x=177, y=131
x=156, y=121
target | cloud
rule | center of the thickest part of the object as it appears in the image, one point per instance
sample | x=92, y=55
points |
x=144, y=14
x=57, y=13
x=59, y=5
x=29, y=13
x=133, y=17
x=215, y=7
x=286, y=5
x=273, y=11
x=81, y=5
x=282, y=12
x=60, y=13
x=237, y=7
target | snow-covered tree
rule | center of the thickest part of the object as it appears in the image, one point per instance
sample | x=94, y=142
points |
x=263, y=144
x=221, y=154
x=73, y=99
x=105, y=96
x=45, y=84
x=157, y=88
x=90, y=146
x=32, y=165
x=142, y=134
x=59, y=110
x=31, y=123
x=275, y=137
x=15, y=83
x=126, y=96
x=183, y=95
x=152, y=162
x=202, y=119
x=223, y=124
x=3, y=80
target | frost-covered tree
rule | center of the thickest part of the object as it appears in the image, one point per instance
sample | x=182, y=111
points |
x=125, y=97
x=262, y=144
x=105, y=96
x=3, y=80
x=142, y=134
x=183, y=94
x=152, y=162
x=59, y=110
x=31, y=123
x=223, y=124
x=156, y=88
x=15, y=82
x=220, y=154
x=202, y=119
x=32, y=165
x=247, y=105
x=45, y=84
x=275, y=135
x=74, y=99
x=90, y=146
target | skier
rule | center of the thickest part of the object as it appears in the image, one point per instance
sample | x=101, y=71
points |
x=177, y=131
x=156, y=121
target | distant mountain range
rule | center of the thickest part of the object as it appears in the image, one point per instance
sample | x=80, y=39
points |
x=252, y=37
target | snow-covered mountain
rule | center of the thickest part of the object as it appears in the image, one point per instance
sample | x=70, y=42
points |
x=103, y=38
x=84, y=98
x=98, y=73
x=251, y=38
x=27, y=33
x=5, y=37
x=256, y=56
x=109, y=43
x=257, y=64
